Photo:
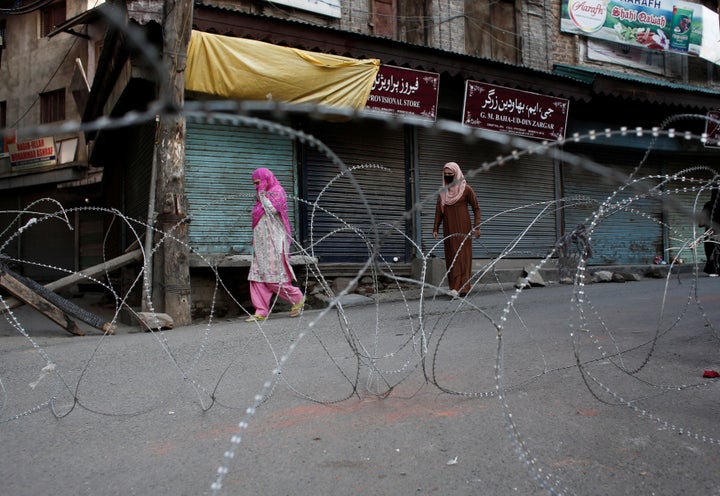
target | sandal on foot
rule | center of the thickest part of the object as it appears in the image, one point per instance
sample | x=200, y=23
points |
x=297, y=308
x=255, y=318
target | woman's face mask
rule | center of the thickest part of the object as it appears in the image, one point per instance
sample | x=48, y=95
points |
x=449, y=178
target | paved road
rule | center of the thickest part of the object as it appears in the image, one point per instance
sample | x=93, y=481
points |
x=394, y=399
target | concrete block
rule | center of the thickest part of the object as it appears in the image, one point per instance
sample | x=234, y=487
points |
x=434, y=271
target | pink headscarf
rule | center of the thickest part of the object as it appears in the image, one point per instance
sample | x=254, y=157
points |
x=449, y=195
x=274, y=192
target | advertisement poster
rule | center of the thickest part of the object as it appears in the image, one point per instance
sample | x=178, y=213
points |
x=35, y=153
x=514, y=111
x=399, y=90
x=665, y=25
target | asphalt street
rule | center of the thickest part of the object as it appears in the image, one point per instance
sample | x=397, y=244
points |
x=596, y=390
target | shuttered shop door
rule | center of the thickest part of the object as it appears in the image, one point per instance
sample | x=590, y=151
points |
x=342, y=227
x=684, y=201
x=50, y=242
x=137, y=175
x=631, y=231
x=219, y=162
x=516, y=200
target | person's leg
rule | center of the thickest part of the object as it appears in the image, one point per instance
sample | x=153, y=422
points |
x=465, y=269
x=709, y=263
x=715, y=257
x=260, y=294
x=290, y=293
x=452, y=264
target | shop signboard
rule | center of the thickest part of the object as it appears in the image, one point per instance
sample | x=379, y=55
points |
x=404, y=91
x=330, y=8
x=712, y=129
x=507, y=110
x=33, y=153
x=664, y=25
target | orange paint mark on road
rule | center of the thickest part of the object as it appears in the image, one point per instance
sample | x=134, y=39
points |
x=368, y=410
x=706, y=299
x=162, y=448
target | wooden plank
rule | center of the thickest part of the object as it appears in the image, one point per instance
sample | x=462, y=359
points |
x=155, y=320
x=39, y=303
x=244, y=260
x=93, y=271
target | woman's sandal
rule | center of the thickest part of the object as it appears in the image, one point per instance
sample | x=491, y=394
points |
x=255, y=318
x=297, y=308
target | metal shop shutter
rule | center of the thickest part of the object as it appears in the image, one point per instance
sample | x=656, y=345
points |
x=341, y=228
x=219, y=162
x=516, y=199
x=631, y=231
x=49, y=243
x=137, y=175
x=684, y=200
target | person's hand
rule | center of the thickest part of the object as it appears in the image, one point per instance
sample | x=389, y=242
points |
x=435, y=234
x=476, y=232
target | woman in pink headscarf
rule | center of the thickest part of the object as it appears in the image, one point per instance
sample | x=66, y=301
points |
x=270, y=272
x=452, y=209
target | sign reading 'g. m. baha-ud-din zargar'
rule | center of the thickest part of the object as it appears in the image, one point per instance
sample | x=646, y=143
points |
x=514, y=111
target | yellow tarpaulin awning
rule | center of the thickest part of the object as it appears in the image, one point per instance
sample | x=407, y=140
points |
x=244, y=69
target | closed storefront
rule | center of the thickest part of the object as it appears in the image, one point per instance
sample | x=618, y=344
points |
x=628, y=206
x=138, y=172
x=517, y=199
x=350, y=213
x=686, y=191
x=53, y=227
x=219, y=162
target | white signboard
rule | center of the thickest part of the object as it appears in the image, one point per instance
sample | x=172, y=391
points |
x=37, y=152
x=330, y=8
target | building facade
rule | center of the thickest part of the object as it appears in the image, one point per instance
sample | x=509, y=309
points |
x=44, y=81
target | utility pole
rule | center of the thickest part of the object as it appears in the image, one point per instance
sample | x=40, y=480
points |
x=172, y=202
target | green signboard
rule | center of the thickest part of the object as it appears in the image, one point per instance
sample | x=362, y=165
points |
x=665, y=25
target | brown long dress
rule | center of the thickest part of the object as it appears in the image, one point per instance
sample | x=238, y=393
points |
x=458, y=237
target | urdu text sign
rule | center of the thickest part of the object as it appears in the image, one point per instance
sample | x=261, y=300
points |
x=507, y=110
x=405, y=91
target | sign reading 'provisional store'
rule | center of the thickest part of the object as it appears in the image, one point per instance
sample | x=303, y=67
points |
x=514, y=111
x=405, y=91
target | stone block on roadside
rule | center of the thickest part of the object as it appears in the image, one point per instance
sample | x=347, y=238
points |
x=340, y=283
x=657, y=271
x=602, y=276
x=533, y=276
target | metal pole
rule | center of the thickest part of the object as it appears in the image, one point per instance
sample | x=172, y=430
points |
x=150, y=232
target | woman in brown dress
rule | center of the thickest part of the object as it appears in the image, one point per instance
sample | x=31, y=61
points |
x=452, y=209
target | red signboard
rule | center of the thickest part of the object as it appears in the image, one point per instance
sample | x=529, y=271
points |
x=712, y=129
x=513, y=111
x=405, y=91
